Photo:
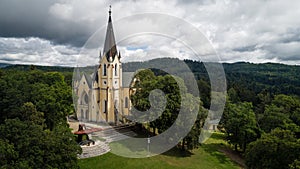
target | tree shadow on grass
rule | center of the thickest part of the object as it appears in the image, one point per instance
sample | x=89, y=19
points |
x=177, y=152
x=214, y=149
x=218, y=136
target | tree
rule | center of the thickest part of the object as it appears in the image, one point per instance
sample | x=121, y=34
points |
x=30, y=114
x=273, y=117
x=295, y=164
x=33, y=128
x=28, y=145
x=147, y=82
x=288, y=103
x=204, y=91
x=276, y=150
x=240, y=124
x=166, y=109
x=47, y=91
x=7, y=153
x=53, y=97
x=190, y=105
x=282, y=112
x=233, y=96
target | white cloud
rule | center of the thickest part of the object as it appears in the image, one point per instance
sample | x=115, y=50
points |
x=36, y=51
x=253, y=31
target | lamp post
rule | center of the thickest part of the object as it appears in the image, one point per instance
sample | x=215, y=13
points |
x=148, y=145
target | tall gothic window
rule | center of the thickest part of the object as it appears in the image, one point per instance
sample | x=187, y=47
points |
x=104, y=70
x=105, y=106
x=97, y=116
x=116, y=70
x=126, y=102
x=82, y=114
x=87, y=115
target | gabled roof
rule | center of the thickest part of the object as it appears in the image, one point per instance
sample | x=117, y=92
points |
x=127, y=78
x=110, y=48
x=94, y=75
x=88, y=80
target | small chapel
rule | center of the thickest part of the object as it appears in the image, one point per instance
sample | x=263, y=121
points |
x=104, y=95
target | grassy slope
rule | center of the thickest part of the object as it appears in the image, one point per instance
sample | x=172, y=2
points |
x=206, y=157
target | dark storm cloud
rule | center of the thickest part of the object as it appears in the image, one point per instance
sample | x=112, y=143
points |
x=32, y=18
x=8, y=59
x=291, y=35
x=245, y=48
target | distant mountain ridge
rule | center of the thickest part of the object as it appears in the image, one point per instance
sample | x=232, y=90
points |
x=250, y=77
x=2, y=65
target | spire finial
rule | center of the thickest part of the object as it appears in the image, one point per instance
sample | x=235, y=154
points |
x=109, y=12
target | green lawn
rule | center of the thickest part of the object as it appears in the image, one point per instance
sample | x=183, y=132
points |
x=205, y=157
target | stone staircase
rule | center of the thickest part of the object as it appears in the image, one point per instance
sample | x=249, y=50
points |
x=115, y=133
x=104, y=137
x=94, y=150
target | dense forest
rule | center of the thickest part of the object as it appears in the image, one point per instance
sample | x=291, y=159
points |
x=33, y=129
x=261, y=118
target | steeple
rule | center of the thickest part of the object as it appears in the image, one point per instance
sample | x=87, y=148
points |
x=110, y=48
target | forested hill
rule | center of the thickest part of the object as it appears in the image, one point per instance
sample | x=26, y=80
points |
x=38, y=67
x=244, y=77
x=248, y=79
x=276, y=78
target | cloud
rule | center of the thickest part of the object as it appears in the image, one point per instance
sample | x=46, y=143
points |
x=36, y=51
x=254, y=31
x=63, y=22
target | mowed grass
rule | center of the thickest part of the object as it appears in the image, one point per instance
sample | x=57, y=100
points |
x=206, y=156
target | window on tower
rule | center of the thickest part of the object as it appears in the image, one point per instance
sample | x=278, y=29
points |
x=105, y=106
x=126, y=102
x=116, y=70
x=104, y=70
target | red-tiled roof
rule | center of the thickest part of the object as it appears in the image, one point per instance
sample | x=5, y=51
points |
x=88, y=131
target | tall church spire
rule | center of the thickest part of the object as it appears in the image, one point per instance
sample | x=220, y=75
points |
x=110, y=48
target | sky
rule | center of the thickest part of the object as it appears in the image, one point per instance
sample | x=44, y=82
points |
x=55, y=32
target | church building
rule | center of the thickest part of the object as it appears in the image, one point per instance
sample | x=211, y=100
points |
x=103, y=96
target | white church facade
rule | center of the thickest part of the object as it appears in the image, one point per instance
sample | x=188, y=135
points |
x=104, y=95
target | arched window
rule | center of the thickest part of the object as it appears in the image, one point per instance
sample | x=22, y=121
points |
x=87, y=114
x=104, y=70
x=82, y=114
x=84, y=99
x=126, y=102
x=97, y=116
x=116, y=70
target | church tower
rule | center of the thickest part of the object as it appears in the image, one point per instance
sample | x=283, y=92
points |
x=110, y=78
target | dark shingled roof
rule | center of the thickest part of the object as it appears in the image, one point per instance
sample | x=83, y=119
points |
x=127, y=78
x=94, y=75
x=110, y=48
